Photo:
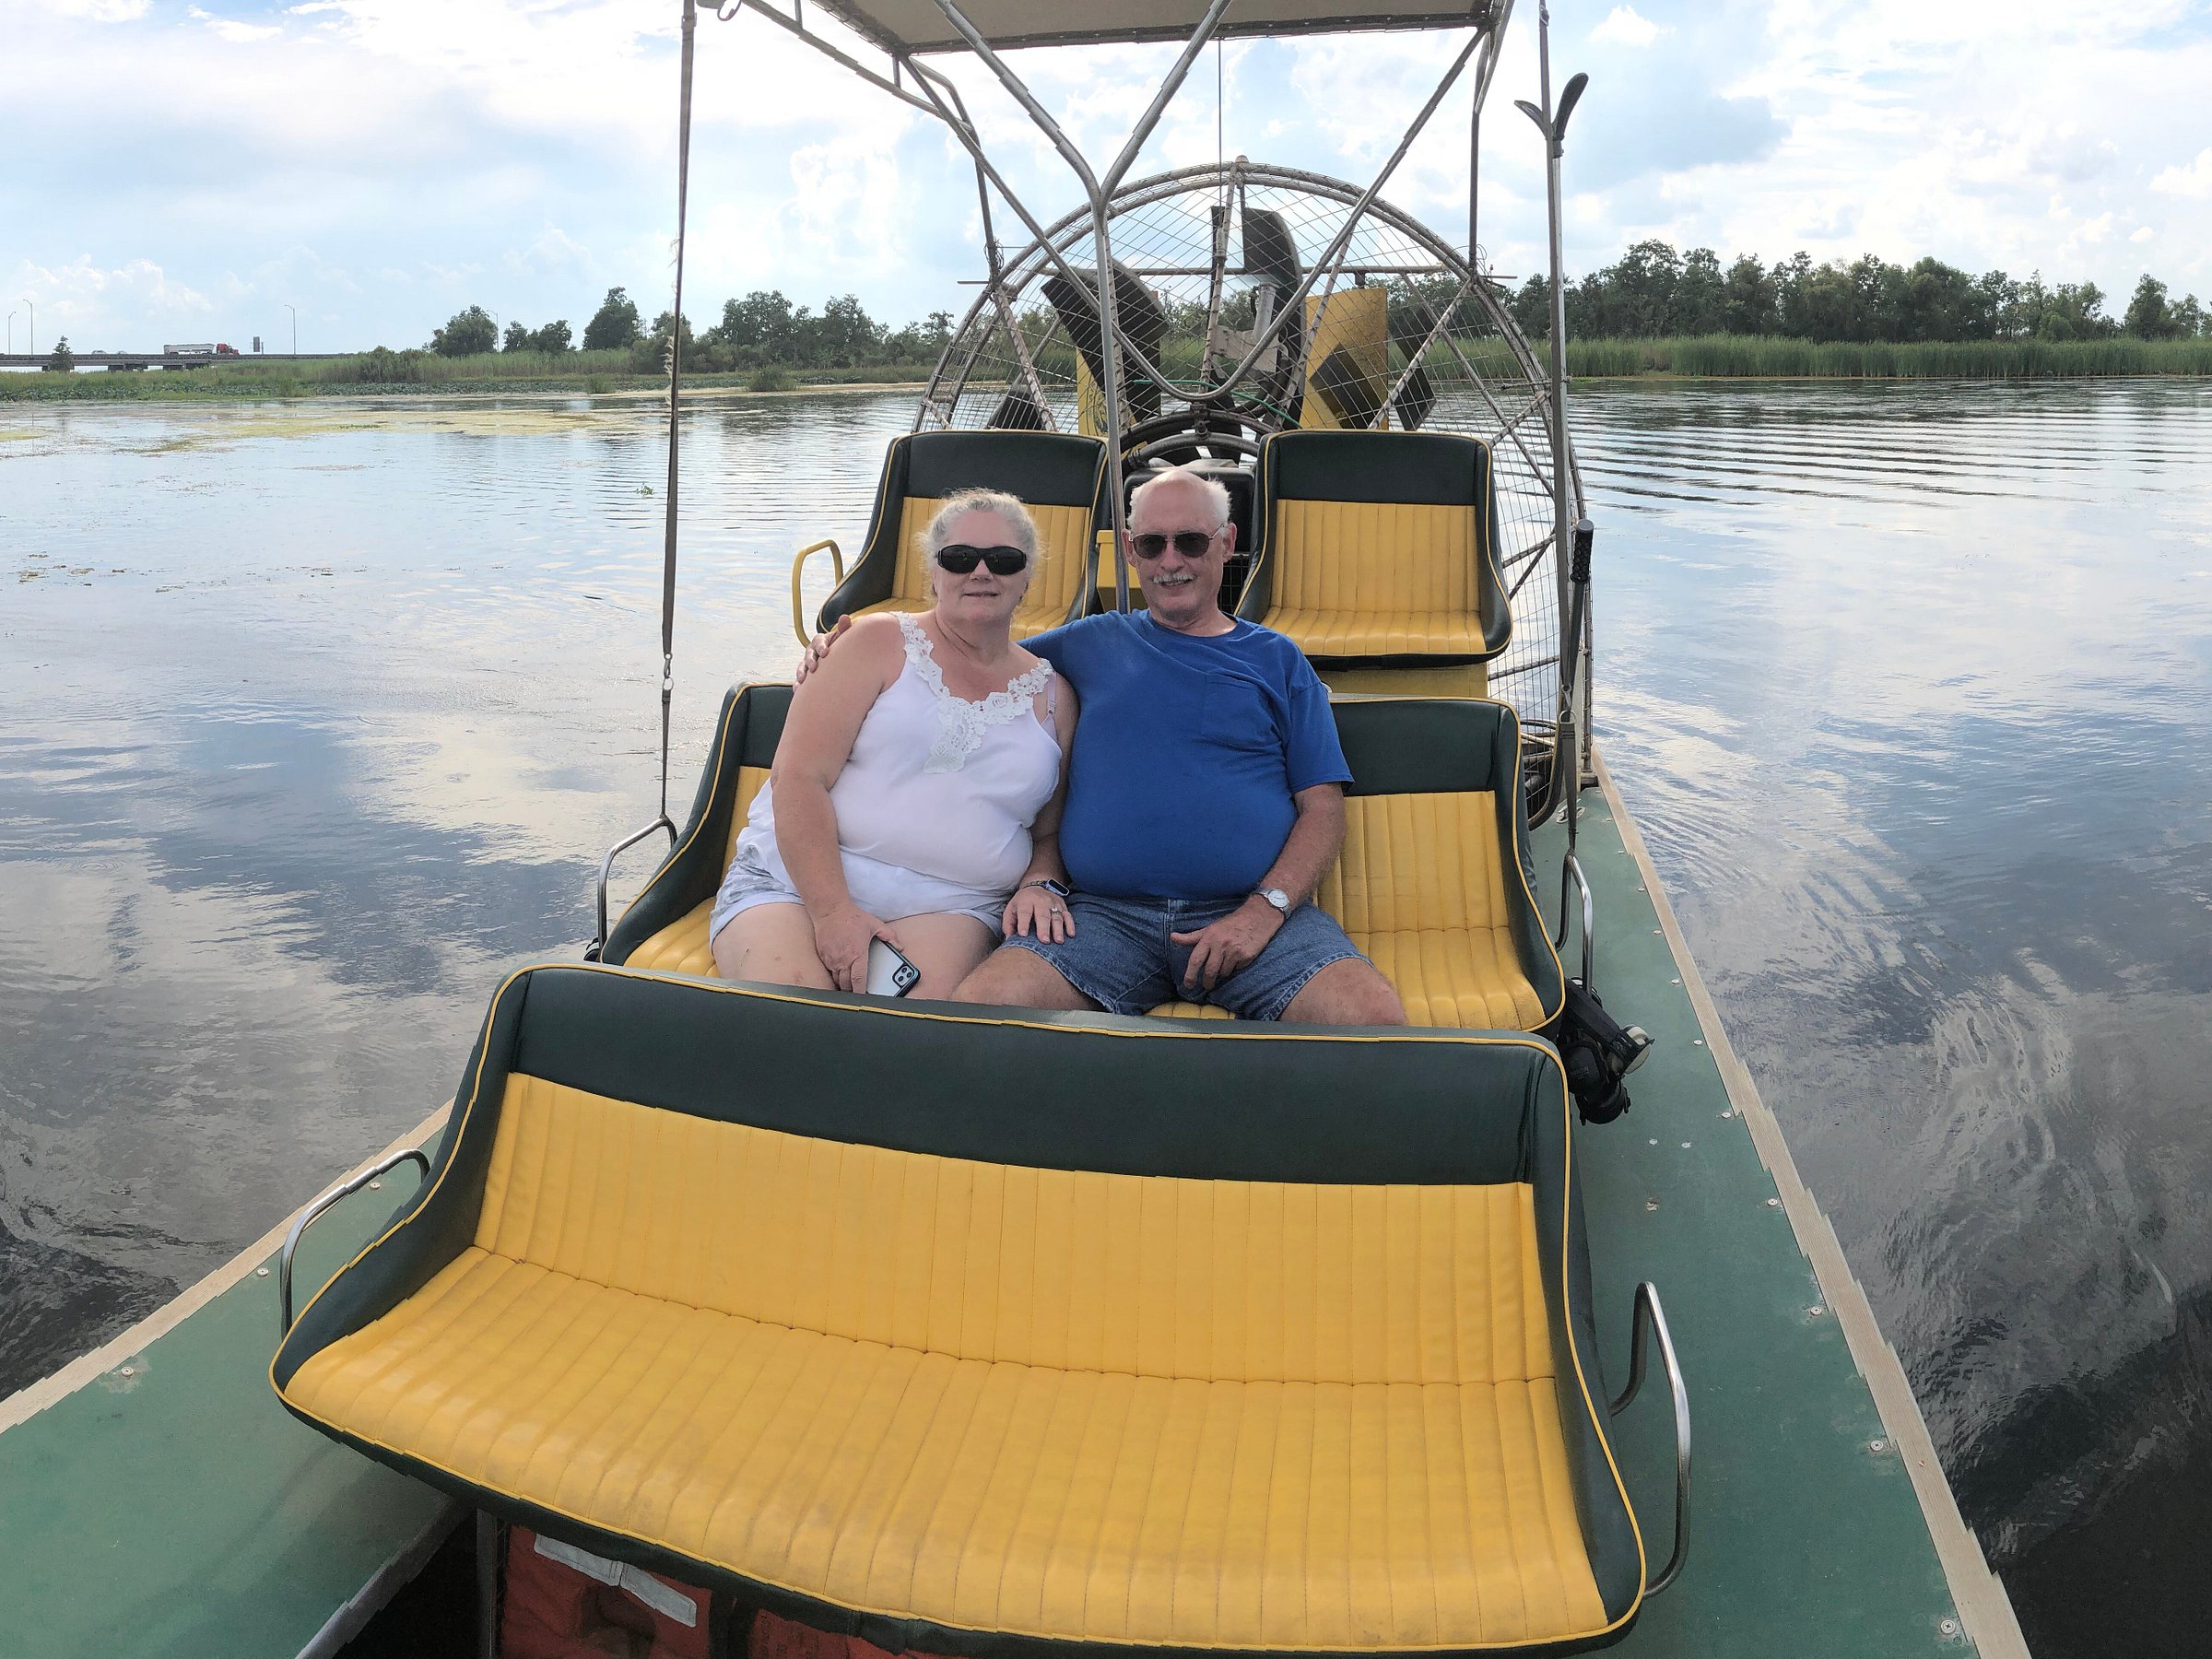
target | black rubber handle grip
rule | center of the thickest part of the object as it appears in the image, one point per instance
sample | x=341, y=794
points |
x=1578, y=569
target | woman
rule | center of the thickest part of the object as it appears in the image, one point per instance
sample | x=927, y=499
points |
x=917, y=788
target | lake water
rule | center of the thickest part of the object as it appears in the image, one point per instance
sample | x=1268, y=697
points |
x=314, y=719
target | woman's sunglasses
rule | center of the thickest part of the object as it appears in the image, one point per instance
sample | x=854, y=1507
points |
x=961, y=559
x=1191, y=543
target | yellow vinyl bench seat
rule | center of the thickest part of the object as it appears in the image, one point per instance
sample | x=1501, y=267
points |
x=1431, y=883
x=1330, y=1395
x=1355, y=634
x=1379, y=549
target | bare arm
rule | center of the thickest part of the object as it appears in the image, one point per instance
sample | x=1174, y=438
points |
x=826, y=716
x=1032, y=910
x=1316, y=837
x=1313, y=844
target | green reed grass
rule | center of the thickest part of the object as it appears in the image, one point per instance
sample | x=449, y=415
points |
x=1760, y=357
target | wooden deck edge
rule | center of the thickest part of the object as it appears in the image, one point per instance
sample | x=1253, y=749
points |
x=26, y=1403
x=1976, y=1592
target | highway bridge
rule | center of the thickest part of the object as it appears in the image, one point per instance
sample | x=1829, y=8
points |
x=167, y=360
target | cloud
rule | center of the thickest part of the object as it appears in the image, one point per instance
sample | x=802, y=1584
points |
x=2193, y=181
x=520, y=153
x=2142, y=233
x=1626, y=27
x=98, y=11
x=79, y=295
x=228, y=28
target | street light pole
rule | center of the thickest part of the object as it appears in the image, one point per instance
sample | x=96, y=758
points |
x=11, y=334
x=295, y=311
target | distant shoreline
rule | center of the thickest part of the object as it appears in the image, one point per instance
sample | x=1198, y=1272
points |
x=605, y=374
x=650, y=391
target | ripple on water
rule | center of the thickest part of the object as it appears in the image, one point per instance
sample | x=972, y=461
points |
x=1907, y=685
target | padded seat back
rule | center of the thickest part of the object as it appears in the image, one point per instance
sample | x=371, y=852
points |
x=1433, y=882
x=1061, y=478
x=829, y=1302
x=1380, y=548
x=665, y=926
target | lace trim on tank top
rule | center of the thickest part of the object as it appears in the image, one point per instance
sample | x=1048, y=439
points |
x=962, y=723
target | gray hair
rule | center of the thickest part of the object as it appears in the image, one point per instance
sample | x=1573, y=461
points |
x=961, y=501
x=1216, y=492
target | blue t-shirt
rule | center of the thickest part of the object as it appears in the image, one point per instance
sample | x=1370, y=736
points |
x=1187, y=753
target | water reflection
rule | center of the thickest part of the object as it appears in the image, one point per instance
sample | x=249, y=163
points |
x=314, y=720
x=1907, y=687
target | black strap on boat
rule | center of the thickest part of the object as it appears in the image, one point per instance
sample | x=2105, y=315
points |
x=1571, y=667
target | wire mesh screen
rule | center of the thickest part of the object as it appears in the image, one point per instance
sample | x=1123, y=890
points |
x=1217, y=248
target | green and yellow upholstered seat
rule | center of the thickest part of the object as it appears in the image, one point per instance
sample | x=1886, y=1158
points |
x=828, y=1303
x=1060, y=477
x=1432, y=883
x=1379, y=549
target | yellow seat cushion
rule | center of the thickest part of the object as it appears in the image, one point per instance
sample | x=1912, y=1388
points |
x=683, y=945
x=1420, y=887
x=1356, y=579
x=1079, y=1407
x=1063, y=533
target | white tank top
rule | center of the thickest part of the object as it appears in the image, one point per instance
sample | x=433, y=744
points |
x=935, y=804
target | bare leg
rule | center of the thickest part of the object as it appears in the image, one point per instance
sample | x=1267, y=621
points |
x=772, y=942
x=946, y=946
x=1347, y=992
x=1023, y=979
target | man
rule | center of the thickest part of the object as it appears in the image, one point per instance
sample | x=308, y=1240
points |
x=1205, y=802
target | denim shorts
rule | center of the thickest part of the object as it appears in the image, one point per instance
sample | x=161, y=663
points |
x=1122, y=958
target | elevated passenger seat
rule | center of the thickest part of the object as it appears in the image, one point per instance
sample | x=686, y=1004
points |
x=1061, y=478
x=1379, y=549
x=832, y=1305
x=1432, y=883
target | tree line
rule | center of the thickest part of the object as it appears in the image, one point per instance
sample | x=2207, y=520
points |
x=762, y=330
x=1654, y=292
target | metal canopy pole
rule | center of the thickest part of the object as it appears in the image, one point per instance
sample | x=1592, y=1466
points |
x=1573, y=569
x=1099, y=190
x=1291, y=303
x=929, y=79
x=676, y=376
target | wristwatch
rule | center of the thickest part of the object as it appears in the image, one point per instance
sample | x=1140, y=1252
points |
x=1274, y=896
x=1058, y=889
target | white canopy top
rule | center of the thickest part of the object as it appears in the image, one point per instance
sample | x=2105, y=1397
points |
x=918, y=25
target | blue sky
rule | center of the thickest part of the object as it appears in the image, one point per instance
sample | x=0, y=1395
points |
x=183, y=171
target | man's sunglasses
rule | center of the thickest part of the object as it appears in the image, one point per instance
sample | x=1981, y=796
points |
x=961, y=559
x=1191, y=543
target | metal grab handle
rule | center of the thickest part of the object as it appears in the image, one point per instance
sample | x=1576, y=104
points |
x=345, y=1189
x=798, y=604
x=1570, y=870
x=607, y=869
x=1645, y=1318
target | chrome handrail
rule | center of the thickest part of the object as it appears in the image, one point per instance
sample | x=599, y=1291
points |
x=798, y=602
x=607, y=869
x=1570, y=870
x=345, y=1189
x=1645, y=1318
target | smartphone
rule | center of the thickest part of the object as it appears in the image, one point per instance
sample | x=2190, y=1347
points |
x=889, y=973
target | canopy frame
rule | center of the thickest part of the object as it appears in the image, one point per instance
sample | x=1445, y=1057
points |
x=922, y=87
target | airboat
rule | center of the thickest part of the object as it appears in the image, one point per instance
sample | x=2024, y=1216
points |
x=738, y=1301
